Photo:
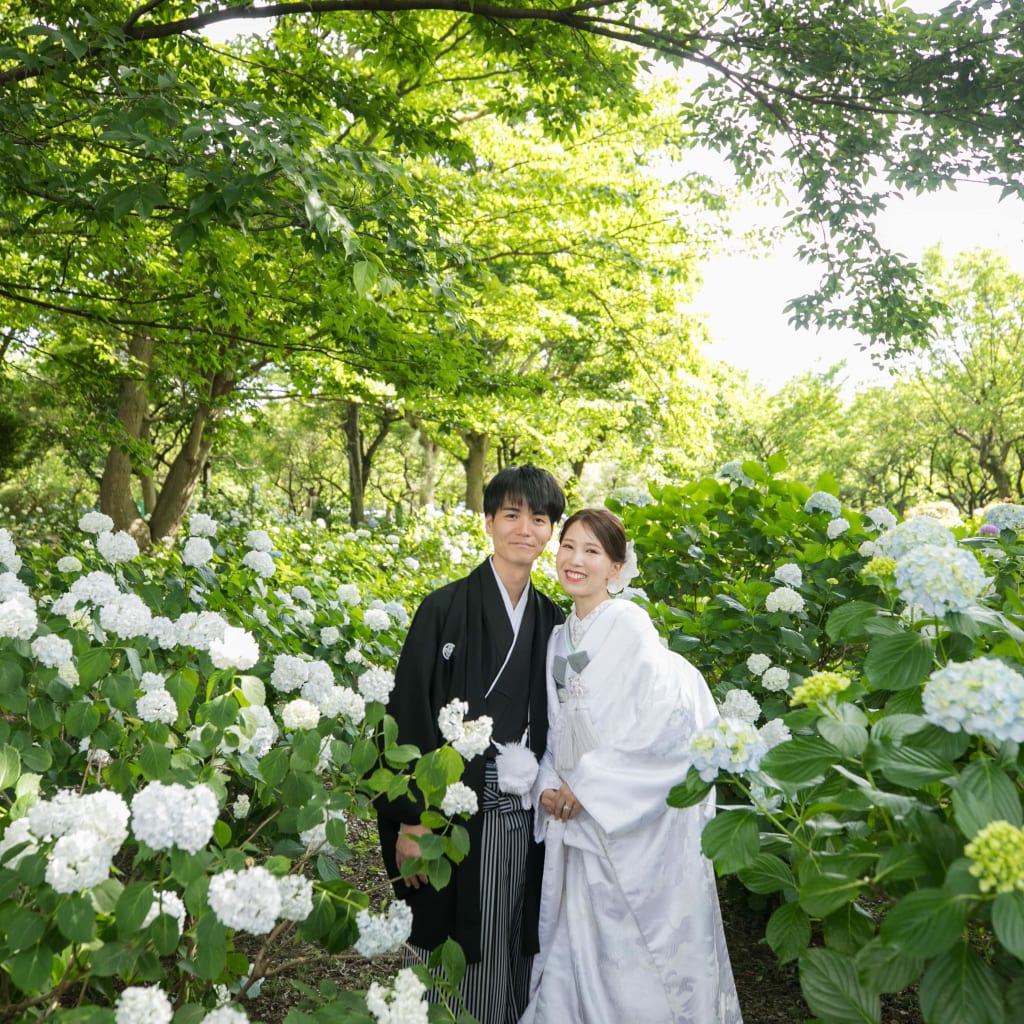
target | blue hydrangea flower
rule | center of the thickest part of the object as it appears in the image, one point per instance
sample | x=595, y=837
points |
x=734, y=471
x=984, y=697
x=1006, y=517
x=937, y=579
x=912, y=533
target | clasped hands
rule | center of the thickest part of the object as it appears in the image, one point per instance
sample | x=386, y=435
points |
x=560, y=803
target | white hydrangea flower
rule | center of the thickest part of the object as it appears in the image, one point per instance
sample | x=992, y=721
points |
x=383, y=933
x=347, y=704
x=330, y=635
x=69, y=564
x=11, y=586
x=236, y=649
x=740, y=704
x=229, y=1014
x=397, y=612
x=8, y=553
x=785, y=600
x=241, y=806
x=126, y=616
x=117, y=547
x=354, y=656
x=412, y=564
x=79, y=860
x=143, y=1004
x=774, y=732
x=296, y=897
x=470, y=739
x=867, y=549
x=169, y=903
x=376, y=684
x=401, y=1004
x=261, y=563
x=200, y=629
x=202, y=525
x=758, y=664
x=52, y=650
x=881, y=518
x=775, y=679
x=935, y=578
x=822, y=501
x=348, y=593
x=302, y=594
x=459, y=799
x=733, y=470
x=984, y=697
x=247, y=901
x=1006, y=517
x=18, y=618
x=157, y=706
x=289, y=673
x=197, y=551
x=728, y=744
x=95, y=522
x=836, y=528
x=164, y=816
x=376, y=619
x=259, y=540
x=910, y=534
x=299, y=714
x=789, y=573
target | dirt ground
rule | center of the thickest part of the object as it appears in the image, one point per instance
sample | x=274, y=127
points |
x=769, y=994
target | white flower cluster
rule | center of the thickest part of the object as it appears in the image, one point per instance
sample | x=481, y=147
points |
x=881, y=518
x=69, y=564
x=19, y=618
x=459, y=799
x=910, y=534
x=470, y=739
x=299, y=714
x=789, y=574
x=228, y=1014
x=117, y=547
x=403, y=1003
x=15, y=835
x=169, y=903
x=52, y=650
x=783, y=599
x=627, y=572
x=984, y=697
x=156, y=704
x=936, y=578
x=95, y=522
x=383, y=933
x=197, y=551
x=775, y=679
x=376, y=619
x=126, y=616
x=348, y=594
x=758, y=664
x=143, y=1004
x=376, y=684
x=95, y=588
x=733, y=470
x=330, y=635
x=836, y=528
x=9, y=558
x=397, y=612
x=202, y=525
x=237, y=648
x=253, y=900
x=740, y=705
x=822, y=501
x=164, y=816
x=259, y=540
x=261, y=563
x=1006, y=517
x=727, y=744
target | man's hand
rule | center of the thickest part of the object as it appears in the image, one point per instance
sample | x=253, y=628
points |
x=560, y=803
x=405, y=847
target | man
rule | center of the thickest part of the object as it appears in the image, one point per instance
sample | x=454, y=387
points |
x=482, y=639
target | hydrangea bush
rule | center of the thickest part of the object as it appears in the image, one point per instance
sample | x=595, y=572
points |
x=186, y=738
x=873, y=799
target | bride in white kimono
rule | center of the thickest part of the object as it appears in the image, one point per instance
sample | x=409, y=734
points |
x=630, y=924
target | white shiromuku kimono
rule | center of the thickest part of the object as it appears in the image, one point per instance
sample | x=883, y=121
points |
x=630, y=924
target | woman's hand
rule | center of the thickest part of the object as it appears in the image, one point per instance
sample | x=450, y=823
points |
x=406, y=847
x=560, y=803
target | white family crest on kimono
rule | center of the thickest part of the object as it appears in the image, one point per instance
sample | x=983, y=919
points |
x=630, y=923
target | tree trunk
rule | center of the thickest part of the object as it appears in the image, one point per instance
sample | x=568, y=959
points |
x=354, y=451
x=187, y=468
x=133, y=404
x=474, y=464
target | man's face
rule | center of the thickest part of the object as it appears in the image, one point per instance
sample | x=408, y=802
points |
x=519, y=535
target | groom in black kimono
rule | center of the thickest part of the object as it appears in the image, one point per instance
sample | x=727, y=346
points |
x=482, y=639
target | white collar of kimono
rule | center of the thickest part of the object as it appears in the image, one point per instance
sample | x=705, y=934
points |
x=515, y=618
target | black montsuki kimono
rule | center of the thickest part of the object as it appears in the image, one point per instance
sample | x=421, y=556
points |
x=456, y=644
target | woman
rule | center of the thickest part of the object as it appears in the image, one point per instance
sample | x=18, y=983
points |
x=630, y=923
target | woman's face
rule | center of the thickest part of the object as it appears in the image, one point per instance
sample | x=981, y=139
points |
x=584, y=568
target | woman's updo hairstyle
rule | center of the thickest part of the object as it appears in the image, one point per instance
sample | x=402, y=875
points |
x=605, y=527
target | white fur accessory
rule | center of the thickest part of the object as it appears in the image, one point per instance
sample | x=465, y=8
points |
x=626, y=574
x=517, y=768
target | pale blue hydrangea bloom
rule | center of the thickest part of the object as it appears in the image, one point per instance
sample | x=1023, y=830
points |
x=912, y=533
x=734, y=471
x=1006, y=517
x=822, y=501
x=881, y=518
x=937, y=579
x=727, y=744
x=984, y=697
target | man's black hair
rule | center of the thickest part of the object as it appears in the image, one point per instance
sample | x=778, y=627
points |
x=526, y=485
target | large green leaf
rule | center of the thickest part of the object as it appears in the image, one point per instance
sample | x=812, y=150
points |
x=731, y=839
x=898, y=662
x=926, y=923
x=834, y=991
x=959, y=986
x=10, y=766
x=1008, y=921
x=885, y=968
x=788, y=932
x=801, y=759
x=985, y=793
x=767, y=873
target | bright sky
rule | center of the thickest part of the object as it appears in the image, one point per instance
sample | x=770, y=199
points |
x=744, y=295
